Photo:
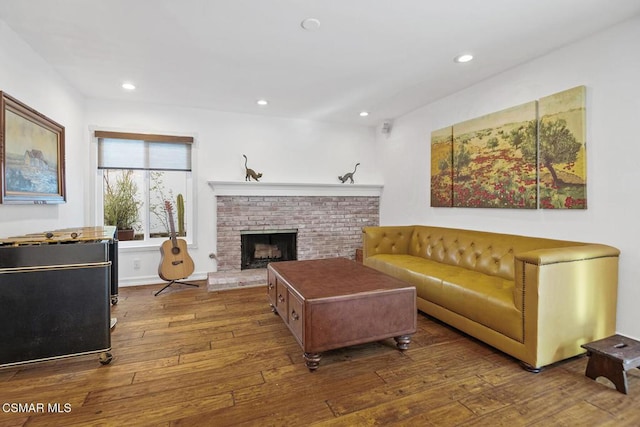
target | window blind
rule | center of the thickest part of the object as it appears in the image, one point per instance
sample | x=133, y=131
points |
x=118, y=150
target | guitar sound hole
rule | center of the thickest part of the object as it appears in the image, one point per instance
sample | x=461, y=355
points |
x=175, y=250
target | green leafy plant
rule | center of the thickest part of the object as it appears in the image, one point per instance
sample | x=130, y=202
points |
x=121, y=200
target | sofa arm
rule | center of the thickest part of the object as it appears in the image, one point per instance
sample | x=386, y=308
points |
x=567, y=254
x=577, y=261
x=386, y=240
x=568, y=296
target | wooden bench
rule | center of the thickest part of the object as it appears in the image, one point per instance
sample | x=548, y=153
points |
x=611, y=358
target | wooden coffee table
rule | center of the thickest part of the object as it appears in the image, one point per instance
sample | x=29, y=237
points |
x=334, y=303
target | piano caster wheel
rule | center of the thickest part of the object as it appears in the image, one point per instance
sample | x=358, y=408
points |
x=106, y=358
x=114, y=299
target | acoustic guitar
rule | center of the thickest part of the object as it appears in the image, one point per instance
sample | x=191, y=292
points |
x=175, y=263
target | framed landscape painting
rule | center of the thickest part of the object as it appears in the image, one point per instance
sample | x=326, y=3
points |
x=31, y=155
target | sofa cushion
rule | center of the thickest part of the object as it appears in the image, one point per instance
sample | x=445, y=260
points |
x=482, y=298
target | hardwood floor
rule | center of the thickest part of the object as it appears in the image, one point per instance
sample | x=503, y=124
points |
x=195, y=358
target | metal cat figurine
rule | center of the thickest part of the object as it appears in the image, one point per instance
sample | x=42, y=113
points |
x=250, y=173
x=348, y=175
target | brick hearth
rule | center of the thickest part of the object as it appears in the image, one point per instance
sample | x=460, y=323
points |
x=328, y=226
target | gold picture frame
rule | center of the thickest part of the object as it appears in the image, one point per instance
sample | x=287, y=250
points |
x=32, y=168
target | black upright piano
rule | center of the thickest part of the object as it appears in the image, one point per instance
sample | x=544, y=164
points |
x=56, y=288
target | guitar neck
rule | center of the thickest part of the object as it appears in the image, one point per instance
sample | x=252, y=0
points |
x=174, y=240
x=169, y=210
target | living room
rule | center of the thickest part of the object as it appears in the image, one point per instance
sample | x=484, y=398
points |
x=306, y=150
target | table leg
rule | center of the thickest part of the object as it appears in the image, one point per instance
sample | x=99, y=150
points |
x=312, y=360
x=403, y=341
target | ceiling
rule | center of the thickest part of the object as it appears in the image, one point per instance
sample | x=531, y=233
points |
x=387, y=57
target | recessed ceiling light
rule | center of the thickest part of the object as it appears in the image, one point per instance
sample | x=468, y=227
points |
x=262, y=102
x=364, y=113
x=463, y=58
x=310, y=24
x=128, y=86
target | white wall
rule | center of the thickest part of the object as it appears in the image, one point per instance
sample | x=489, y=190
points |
x=608, y=65
x=284, y=150
x=26, y=77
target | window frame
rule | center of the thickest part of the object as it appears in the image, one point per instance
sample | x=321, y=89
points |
x=147, y=243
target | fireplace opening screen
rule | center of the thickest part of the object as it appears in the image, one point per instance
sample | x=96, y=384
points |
x=259, y=248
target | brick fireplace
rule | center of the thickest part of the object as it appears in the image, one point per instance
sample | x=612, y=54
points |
x=328, y=218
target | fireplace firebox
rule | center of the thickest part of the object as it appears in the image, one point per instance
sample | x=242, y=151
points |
x=259, y=248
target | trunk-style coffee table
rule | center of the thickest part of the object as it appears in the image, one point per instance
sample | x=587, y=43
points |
x=333, y=303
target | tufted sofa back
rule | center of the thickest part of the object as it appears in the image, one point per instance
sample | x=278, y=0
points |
x=485, y=252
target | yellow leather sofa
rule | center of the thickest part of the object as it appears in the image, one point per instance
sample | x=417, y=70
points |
x=533, y=298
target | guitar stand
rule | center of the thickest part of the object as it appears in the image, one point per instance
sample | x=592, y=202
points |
x=176, y=281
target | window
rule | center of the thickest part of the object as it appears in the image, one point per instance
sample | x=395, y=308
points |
x=143, y=178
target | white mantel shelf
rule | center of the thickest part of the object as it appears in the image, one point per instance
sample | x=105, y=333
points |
x=252, y=188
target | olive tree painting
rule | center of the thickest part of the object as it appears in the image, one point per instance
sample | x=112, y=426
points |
x=562, y=150
x=442, y=167
x=492, y=166
x=529, y=156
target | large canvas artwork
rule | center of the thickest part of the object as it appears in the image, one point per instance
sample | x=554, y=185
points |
x=32, y=155
x=529, y=156
x=494, y=159
x=562, y=151
x=442, y=167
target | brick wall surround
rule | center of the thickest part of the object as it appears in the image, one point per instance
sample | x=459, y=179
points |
x=328, y=226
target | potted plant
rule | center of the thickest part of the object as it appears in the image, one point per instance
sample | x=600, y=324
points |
x=121, y=204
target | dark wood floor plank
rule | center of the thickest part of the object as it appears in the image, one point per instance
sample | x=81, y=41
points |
x=200, y=379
